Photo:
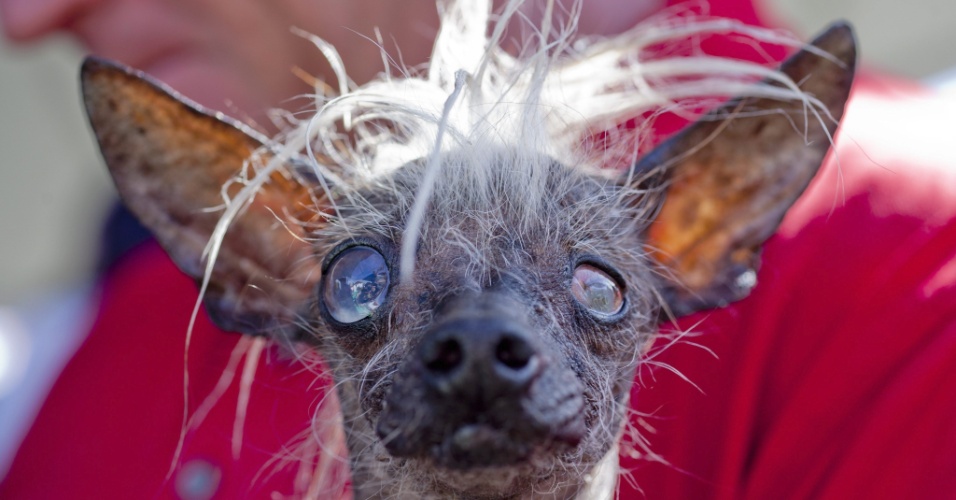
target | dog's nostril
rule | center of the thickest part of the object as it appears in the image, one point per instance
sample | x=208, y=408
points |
x=443, y=356
x=513, y=352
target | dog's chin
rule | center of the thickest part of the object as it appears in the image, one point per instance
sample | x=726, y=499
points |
x=517, y=480
x=501, y=469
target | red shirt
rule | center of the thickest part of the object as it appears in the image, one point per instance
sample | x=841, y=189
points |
x=836, y=378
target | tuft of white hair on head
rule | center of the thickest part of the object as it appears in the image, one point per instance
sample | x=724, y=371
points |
x=546, y=100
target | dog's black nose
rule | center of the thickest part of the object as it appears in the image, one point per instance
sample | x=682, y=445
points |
x=479, y=358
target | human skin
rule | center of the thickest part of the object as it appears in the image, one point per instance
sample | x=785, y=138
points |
x=231, y=55
x=238, y=56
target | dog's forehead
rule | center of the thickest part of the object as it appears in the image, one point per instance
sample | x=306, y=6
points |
x=497, y=202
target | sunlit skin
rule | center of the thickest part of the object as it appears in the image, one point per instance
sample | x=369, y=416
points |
x=238, y=56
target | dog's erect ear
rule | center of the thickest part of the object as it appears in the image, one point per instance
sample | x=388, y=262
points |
x=170, y=160
x=731, y=176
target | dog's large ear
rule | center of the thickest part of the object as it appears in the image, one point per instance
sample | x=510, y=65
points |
x=170, y=160
x=731, y=176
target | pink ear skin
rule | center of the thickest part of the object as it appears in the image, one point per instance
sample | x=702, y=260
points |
x=169, y=159
x=732, y=176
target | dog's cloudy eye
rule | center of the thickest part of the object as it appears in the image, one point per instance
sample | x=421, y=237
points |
x=355, y=284
x=597, y=291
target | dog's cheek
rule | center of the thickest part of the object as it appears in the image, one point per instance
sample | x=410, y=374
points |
x=608, y=360
x=376, y=383
x=373, y=400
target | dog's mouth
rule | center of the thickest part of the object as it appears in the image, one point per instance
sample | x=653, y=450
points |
x=481, y=445
x=456, y=436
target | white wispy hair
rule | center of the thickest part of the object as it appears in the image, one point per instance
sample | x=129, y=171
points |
x=476, y=95
x=477, y=98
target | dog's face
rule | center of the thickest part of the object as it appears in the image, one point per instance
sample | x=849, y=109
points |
x=506, y=361
x=501, y=366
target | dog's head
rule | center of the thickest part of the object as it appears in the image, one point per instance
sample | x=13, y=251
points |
x=483, y=307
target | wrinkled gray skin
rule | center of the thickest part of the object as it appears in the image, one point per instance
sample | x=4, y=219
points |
x=484, y=434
